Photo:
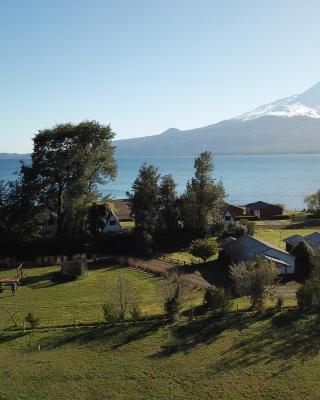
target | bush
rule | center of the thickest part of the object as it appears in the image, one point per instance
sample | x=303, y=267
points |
x=135, y=310
x=251, y=278
x=279, y=303
x=217, y=300
x=308, y=295
x=173, y=305
x=32, y=320
x=304, y=257
x=111, y=312
x=204, y=248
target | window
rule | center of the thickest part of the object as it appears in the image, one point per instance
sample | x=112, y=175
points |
x=112, y=222
x=227, y=218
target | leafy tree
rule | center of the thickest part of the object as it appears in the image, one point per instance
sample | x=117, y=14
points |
x=217, y=300
x=203, y=198
x=168, y=204
x=145, y=205
x=21, y=218
x=252, y=278
x=175, y=294
x=97, y=216
x=313, y=202
x=204, y=248
x=304, y=257
x=68, y=163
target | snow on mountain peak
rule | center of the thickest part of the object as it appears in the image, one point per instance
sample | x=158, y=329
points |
x=306, y=104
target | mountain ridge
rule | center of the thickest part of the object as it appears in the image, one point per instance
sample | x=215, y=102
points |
x=285, y=126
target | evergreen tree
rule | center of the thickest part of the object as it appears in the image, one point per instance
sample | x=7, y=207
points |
x=203, y=198
x=168, y=203
x=145, y=206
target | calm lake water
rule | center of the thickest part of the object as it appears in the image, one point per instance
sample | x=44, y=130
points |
x=285, y=179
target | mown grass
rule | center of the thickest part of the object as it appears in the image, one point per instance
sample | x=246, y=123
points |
x=245, y=356
x=58, y=301
x=276, y=236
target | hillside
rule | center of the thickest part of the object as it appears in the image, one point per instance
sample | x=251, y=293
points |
x=290, y=125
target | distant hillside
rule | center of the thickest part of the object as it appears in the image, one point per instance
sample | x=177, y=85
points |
x=290, y=125
x=7, y=156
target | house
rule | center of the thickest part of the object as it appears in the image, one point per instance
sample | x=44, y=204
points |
x=248, y=248
x=313, y=240
x=112, y=225
x=260, y=209
x=121, y=208
x=230, y=212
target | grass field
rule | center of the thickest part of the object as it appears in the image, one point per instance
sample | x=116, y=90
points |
x=276, y=236
x=58, y=302
x=268, y=358
x=243, y=356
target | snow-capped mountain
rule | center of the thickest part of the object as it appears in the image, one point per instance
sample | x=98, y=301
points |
x=306, y=104
x=289, y=125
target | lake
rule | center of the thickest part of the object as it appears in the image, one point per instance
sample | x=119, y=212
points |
x=284, y=179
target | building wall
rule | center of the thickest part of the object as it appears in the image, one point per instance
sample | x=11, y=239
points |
x=112, y=225
x=270, y=211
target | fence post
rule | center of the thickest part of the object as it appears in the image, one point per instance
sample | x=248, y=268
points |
x=99, y=320
x=24, y=326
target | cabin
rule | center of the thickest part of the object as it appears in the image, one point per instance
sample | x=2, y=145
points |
x=112, y=225
x=122, y=209
x=229, y=213
x=260, y=209
x=313, y=240
x=248, y=248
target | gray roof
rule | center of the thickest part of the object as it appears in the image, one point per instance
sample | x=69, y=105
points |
x=313, y=240
x=293, y=240
x=248, y=248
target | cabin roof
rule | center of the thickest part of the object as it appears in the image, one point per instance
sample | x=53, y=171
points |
x=258, y=205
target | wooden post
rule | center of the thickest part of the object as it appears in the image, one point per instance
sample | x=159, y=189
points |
x=99, y=320
x=24, y=326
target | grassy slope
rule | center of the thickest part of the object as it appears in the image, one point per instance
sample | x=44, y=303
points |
x=268, y=359
x=58, y=303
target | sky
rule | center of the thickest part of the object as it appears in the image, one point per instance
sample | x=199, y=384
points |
x=144, y=66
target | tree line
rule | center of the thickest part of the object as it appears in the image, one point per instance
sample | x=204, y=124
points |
x=61, y=183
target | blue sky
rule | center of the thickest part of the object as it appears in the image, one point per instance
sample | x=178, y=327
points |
x=146, y=66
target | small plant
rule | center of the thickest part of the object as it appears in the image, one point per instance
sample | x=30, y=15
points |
x=217, y=300
x=173, y=305
x=110, y=311
x=32, y=320
x=308, y=296
x=135, y=310
x=279, y=303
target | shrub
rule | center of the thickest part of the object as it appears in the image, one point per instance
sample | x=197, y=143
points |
x=173, y=305
x=135, y=310
x=111, y=312
x=32, y=320
x=217, y=300
x=308, y=295
x=251, y=278
x=204, y=248
x=279, y=302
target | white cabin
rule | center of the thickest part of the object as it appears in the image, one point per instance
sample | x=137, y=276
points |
x=112, y=225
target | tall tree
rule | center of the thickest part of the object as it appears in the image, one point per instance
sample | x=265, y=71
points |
x=313, y=202
x=204, y=197
x=145, y=205
x=68, y=163
x=168, y=203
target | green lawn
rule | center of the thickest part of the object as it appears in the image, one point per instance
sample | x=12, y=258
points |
x=58, y=302
x=276, y=236
x=266, y=358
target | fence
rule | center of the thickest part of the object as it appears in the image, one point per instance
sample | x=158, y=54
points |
x=61, y=317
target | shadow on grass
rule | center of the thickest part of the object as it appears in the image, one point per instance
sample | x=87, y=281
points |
x=47, y=280
x=289, y=338
x=114, y=336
